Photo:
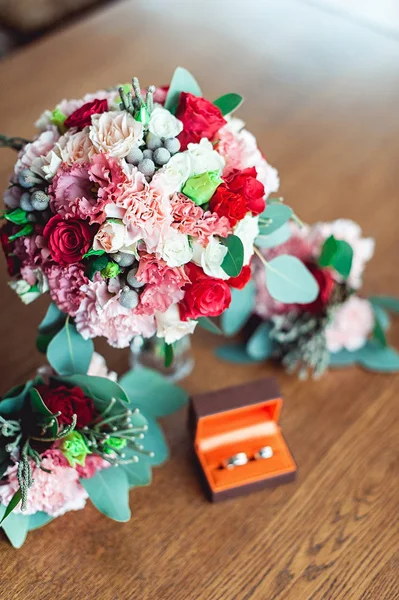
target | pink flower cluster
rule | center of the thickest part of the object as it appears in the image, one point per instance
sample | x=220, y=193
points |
x=110, y=212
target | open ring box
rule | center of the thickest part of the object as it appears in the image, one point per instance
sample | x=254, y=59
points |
x=240, y=419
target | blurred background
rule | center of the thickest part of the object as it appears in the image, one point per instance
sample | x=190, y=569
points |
x=22, y=21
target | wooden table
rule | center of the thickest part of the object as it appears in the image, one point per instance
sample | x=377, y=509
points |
x=322, y=92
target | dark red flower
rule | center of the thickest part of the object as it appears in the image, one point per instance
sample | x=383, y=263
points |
x=204, y=296
x=69, y=402
x=81, y=117
x=241, y=280
x=200, y=119
x=13, y=262
x=245, y=183
x=68, y=240
x=228, y=204
x=326, y=285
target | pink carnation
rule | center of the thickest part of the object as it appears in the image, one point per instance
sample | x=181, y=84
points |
x=93, y=463
x=55, y=492
x=65, y=285
x=190, y=219
x=351, y=326
x=148, y=217
x=72, y=194
x=101, y=314
x=28, y=250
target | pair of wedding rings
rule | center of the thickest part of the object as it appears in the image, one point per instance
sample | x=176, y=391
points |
x=242, y=458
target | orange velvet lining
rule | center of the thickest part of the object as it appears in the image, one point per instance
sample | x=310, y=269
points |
x=245, y=429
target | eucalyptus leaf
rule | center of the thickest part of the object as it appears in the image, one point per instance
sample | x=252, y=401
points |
x=343, y=358
x=109, y=492
x=209, y=325
x=277, y=238
x=138, y=473
x=182, y=81
x=382, y=315
x=240, y=309
x=39, y=519
x=68, y=353
x=278, y=214
x=388, y=302
x=16, y=527
x=378, y=358
x=14, y=400
x=53, y=318
x=289, y=281
x=152, y=393
x=228, y=103
x=101, y=389
x=379, y=330
x=154, y=441
x=233, y=261
x=234, y=353
x=260, y=345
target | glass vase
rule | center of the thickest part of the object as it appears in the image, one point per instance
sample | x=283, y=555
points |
x=150, y=353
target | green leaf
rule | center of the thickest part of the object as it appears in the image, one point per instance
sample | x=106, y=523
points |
x=289, y=281
x=17, y=216
x=154, y=441
x=259, y=345
x=152, y=393
x=379, y=321
x=99, y=252
x=240, y=309
x=209, y=325
x=109, y=492
x=278, y=214
x=68, y=353
x=25, y=231
x=16, y=527
x=53, y=318
x=377, y=358
x=98, y=264
x=277, y=238
x=343, y=358
x=182, y=81
x=14, y=400
x=228, y=103
x=337, y=254
x=40, y=408
x=168, y=351
x=15, y=500
x=388, y=302
x=39, y=519
x=100, y=389
x=234, y=353
x=234, y=259
x=139, y=473
x=382, y=316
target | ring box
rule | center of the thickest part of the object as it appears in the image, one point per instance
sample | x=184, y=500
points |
x=243, y=418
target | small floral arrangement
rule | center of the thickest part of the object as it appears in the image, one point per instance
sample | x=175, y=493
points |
x=66, y=438
x=339, y=328
x=138, y=211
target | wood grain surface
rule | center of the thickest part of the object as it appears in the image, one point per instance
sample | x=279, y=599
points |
x=322, y=96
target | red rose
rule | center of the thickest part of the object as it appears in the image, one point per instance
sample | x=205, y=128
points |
x=68, y=401
x=241, y=280
x=68, y=240
x=245, y=183
x=228, y=204
x=13, y=262
x=200, y=119
x=81, y=117
x=326, y=285
x=205, y=296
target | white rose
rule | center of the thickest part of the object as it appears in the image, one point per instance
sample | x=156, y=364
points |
x=163, y=124
x=173, y=176
x=175, y=249
x=204, y=157
x=47, y=166
x=247, y=230
x=115, y=133
x=114, y=237
x=171, y=327
x=210, y=258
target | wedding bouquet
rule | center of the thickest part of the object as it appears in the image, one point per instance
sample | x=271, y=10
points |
x=339, y=328
x=138, y=210
x=67, y=435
